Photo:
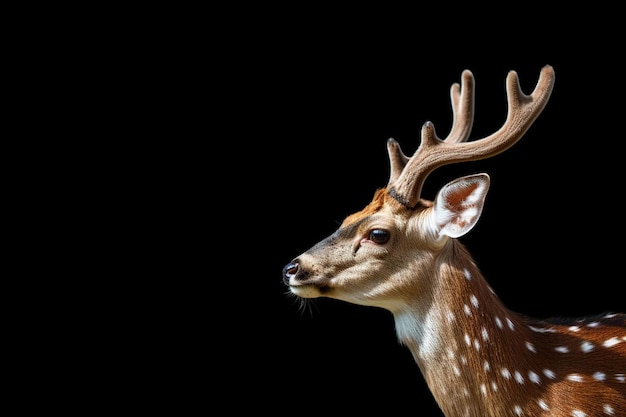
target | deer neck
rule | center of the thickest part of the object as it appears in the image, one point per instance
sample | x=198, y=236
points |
x=463, y=339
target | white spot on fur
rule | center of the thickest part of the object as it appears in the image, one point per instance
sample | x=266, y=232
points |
x=483, y=389
x=593, y=324
x=534, y=377
x=467, y=310
x=468, y=340
x=450, y=316
x=543, y=405
x=498, y=322
x=599, y=376
x=608, y=410
x=575, y=377
x=474, y=300
x=463, y=359
x=586, y=346
x=494, y=386
x=574, y=328
x=486, y=366
x=518, y=410
x=456, y=370
x=549, y=374
x=510, y=323
x=519, y=378
x=620, y=377
x=476, y=344
x=611, y=342
x=530, y=347
x=505, y=373
x=562, y=349
x=578, y=413
x=467, y=274
x=484, y=334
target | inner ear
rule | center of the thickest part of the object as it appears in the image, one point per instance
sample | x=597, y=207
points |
x=459, y=204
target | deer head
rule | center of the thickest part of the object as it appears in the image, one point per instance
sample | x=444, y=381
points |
x=402, y=253
x=388, y=249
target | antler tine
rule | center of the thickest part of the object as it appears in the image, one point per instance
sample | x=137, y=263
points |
x=462, y=100
x=397, y=160
x=434, y=152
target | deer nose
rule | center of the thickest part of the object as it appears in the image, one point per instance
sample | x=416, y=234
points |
x=290, y=270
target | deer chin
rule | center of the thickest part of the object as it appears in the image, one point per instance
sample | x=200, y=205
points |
x=309, y=290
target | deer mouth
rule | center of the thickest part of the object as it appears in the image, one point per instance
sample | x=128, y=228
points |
x=310, y=290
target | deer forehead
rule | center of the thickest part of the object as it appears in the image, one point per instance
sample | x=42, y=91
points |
x=384, y=204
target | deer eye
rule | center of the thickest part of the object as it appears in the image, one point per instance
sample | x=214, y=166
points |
x=379, y=236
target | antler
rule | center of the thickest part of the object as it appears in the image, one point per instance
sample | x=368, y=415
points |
x=462, y=99
x=408, y=174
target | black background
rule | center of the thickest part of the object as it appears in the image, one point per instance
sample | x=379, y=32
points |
x=225, y=143
x=297, y=131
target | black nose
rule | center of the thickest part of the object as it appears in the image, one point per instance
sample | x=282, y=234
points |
x=290, y=270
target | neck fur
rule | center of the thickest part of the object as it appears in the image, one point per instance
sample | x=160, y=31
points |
x=463, y=340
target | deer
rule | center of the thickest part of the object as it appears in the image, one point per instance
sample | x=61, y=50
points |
x=403, y=253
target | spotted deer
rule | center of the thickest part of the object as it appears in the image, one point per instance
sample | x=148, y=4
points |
x=402, y=253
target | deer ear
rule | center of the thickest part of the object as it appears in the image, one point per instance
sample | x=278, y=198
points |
x=459, y=203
